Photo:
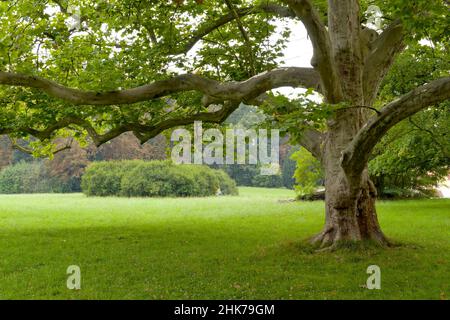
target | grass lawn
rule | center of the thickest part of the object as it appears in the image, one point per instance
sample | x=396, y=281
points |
x=246, y=247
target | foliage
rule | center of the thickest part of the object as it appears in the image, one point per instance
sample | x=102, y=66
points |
x=268, y=181
x=295, y=114
x=415, y=154
x=30, y=177
x=308, y=174
x=154, y=179
x=226, y=184
x=242, y=174
x=104, y=178
x=119, y=44
x=68, y=166
x=123, y=44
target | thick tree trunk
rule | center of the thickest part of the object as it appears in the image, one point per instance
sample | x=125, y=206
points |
x=350, y=199
x=351, y=219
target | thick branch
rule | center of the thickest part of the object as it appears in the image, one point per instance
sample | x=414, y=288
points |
x=145, y=133
x=213, y=90
x=323, y=57
x=355, y=157
x=380, y=59
x=142, y=132
x=311, y=140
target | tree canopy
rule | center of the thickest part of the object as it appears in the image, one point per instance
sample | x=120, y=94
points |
x=101, y=68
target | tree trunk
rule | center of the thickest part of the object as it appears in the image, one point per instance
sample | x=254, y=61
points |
x=350, y=200
x=351, y=220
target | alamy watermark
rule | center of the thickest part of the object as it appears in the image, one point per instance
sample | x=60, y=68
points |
x=74, y=278
x=238, y=146
x=374, y=280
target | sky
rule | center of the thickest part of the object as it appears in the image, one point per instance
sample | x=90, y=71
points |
x=299, y=50
x=298, y=53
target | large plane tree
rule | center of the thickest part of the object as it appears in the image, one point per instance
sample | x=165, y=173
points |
x=97, y=69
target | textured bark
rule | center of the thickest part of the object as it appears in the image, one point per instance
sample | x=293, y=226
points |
x=214, y=91
x=350, y=203
x=354, y=220
x=349, y=196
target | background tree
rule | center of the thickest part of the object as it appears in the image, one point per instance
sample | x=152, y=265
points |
x=308, y=173
x=67, y=77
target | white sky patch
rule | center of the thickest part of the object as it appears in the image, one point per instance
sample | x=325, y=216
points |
x=51, y=9
x=427, y=43
x=298, y=53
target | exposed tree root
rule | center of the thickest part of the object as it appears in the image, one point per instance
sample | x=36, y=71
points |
x=328, y=240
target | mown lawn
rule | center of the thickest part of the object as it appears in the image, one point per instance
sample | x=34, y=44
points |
x=247, y=247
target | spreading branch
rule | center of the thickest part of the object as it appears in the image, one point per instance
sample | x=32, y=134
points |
x=357, y=154
x=228, y=94
x=311, y=140
x=380, y=59
x=214, y=91
x=142, y=132
x=26, y=150
x=320, y=39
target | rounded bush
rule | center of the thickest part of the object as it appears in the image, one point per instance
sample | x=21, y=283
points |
x=154, y=179
x=103, y=178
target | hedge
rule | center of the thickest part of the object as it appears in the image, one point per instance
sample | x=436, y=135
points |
x=28, y=177
x=138, y=178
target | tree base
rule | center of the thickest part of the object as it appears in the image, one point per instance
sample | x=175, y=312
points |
x=330, y=240
x=350, y=222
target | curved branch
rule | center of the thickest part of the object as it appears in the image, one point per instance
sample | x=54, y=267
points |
x=17, y=146
x=311, y=140
x=323, y=57
x=229, y=94
x=213, y=90
x=380, y=59
x=145, y=133
x=355, y=157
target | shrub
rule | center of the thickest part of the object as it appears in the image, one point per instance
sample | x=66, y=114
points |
x=268, y=181
x=226, y=184
x=104, y=178
x=28, y=177
x=154, y=179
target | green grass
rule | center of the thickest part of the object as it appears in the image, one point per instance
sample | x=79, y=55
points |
x=247, y=247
